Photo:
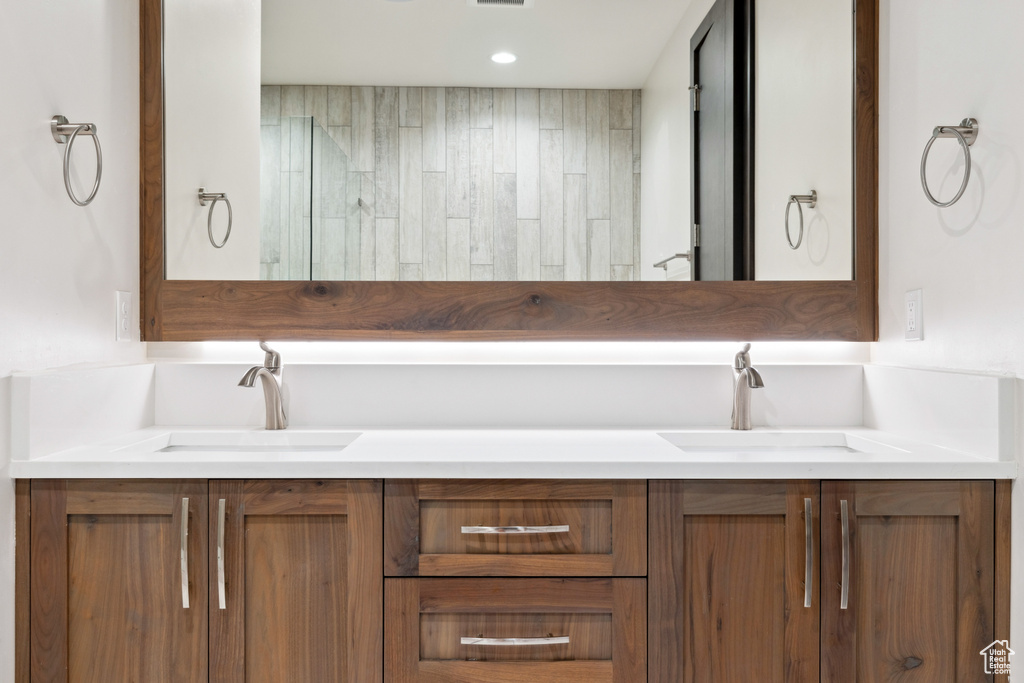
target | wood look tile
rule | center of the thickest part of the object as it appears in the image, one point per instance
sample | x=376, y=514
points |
x=620, y=109
x=481, y=273
x=481, y=107
x=550, y=109
x=270, y=194
x=621, y=199
x=293, y=100
x=457, y=131
x=410, y=181
x=552, y=273
x=362, y=129
x=353, y=228
x=504, y=130
x=637, y=227
x=435, y=226
x=458, y=248
x=270, y=104
x=367, y=228
x=622, y=273
x=316, y=103
x=598, y=206
x=410, y=272
x=386, y=162
x=598, y=251
x=528, y=250
x=527, y=154
x=342, y=136
x=410, y=107
x=481, y=196
x=575, y=227
x=339, y=105
x=387, y=249
x=552, y=198
x=505, y=227
x=637, y=120
x=435, y=146
x=574, y=113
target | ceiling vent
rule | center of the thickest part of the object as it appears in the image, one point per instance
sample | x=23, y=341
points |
x=500, y=3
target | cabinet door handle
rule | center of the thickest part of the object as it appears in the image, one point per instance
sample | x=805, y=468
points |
x=808, y=553
x=222, y=599
x=516, y=642
x=844, y=599
x=555, y=529
x=184, y=553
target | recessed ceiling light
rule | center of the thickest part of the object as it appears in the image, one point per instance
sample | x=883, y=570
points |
x=503, y=57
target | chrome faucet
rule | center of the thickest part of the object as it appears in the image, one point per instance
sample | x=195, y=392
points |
x=747, y=378
x=269, y=373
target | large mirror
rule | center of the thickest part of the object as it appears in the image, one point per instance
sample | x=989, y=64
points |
x=375, y=140
x=385, y=178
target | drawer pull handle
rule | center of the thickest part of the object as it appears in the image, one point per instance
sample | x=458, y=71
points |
x=184, y=553
x=517, y=642
x=808, y=552
x=844, y=598
x=222, y=598
x=556, y=529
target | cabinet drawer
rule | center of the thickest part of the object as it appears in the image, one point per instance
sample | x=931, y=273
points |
x=499, y=630
x=515, y=528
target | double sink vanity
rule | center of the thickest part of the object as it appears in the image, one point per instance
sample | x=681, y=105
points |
x=497, y=554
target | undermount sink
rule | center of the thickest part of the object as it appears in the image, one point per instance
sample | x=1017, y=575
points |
x=754, y=441
x=245, y=441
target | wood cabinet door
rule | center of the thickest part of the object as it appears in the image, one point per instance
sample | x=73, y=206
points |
x=728, y=596
x=515, y=630
x=118, y=581
x=918, y=580
x=515, y=528
x=299, y=596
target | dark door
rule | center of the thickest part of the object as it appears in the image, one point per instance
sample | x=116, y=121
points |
x=721, y=143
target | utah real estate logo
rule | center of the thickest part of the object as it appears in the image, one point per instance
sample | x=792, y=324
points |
x=997, y=657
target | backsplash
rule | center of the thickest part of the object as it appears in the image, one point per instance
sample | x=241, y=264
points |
x=477, y=183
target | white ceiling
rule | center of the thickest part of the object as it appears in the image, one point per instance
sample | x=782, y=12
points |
x=560, y=43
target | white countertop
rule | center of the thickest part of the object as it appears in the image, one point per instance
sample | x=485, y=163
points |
x=516, y=454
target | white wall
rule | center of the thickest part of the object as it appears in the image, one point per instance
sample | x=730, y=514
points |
x=212, y=132
x=941, y=61
x=803, y=140
x=60, y=264
x=804, y=137
x=665, y=149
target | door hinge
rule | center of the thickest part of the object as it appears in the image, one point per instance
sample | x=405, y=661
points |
x=695, y=89
x=696, y=234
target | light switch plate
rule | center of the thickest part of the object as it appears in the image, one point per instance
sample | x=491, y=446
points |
x=913, y=325
x=123, y=316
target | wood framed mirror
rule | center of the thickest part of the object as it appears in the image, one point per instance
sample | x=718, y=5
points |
x=197, y=310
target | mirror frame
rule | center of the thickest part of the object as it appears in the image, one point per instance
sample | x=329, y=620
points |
x=205, y=310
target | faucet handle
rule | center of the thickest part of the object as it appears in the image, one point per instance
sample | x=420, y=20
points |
x=742, y=359
x=272, y=361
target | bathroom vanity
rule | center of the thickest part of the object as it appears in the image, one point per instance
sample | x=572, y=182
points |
x=475, y=580
x=162, y=549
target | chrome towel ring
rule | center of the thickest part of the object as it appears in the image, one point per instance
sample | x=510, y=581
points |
x=966, y=133
x=811, y=200
x=215, y=197
x=65, y=134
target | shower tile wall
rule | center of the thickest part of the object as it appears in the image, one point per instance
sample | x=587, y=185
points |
x=482, y=183
x=304, y=201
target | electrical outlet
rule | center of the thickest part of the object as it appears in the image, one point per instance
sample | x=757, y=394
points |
x=913, y=327
x=123, y=316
